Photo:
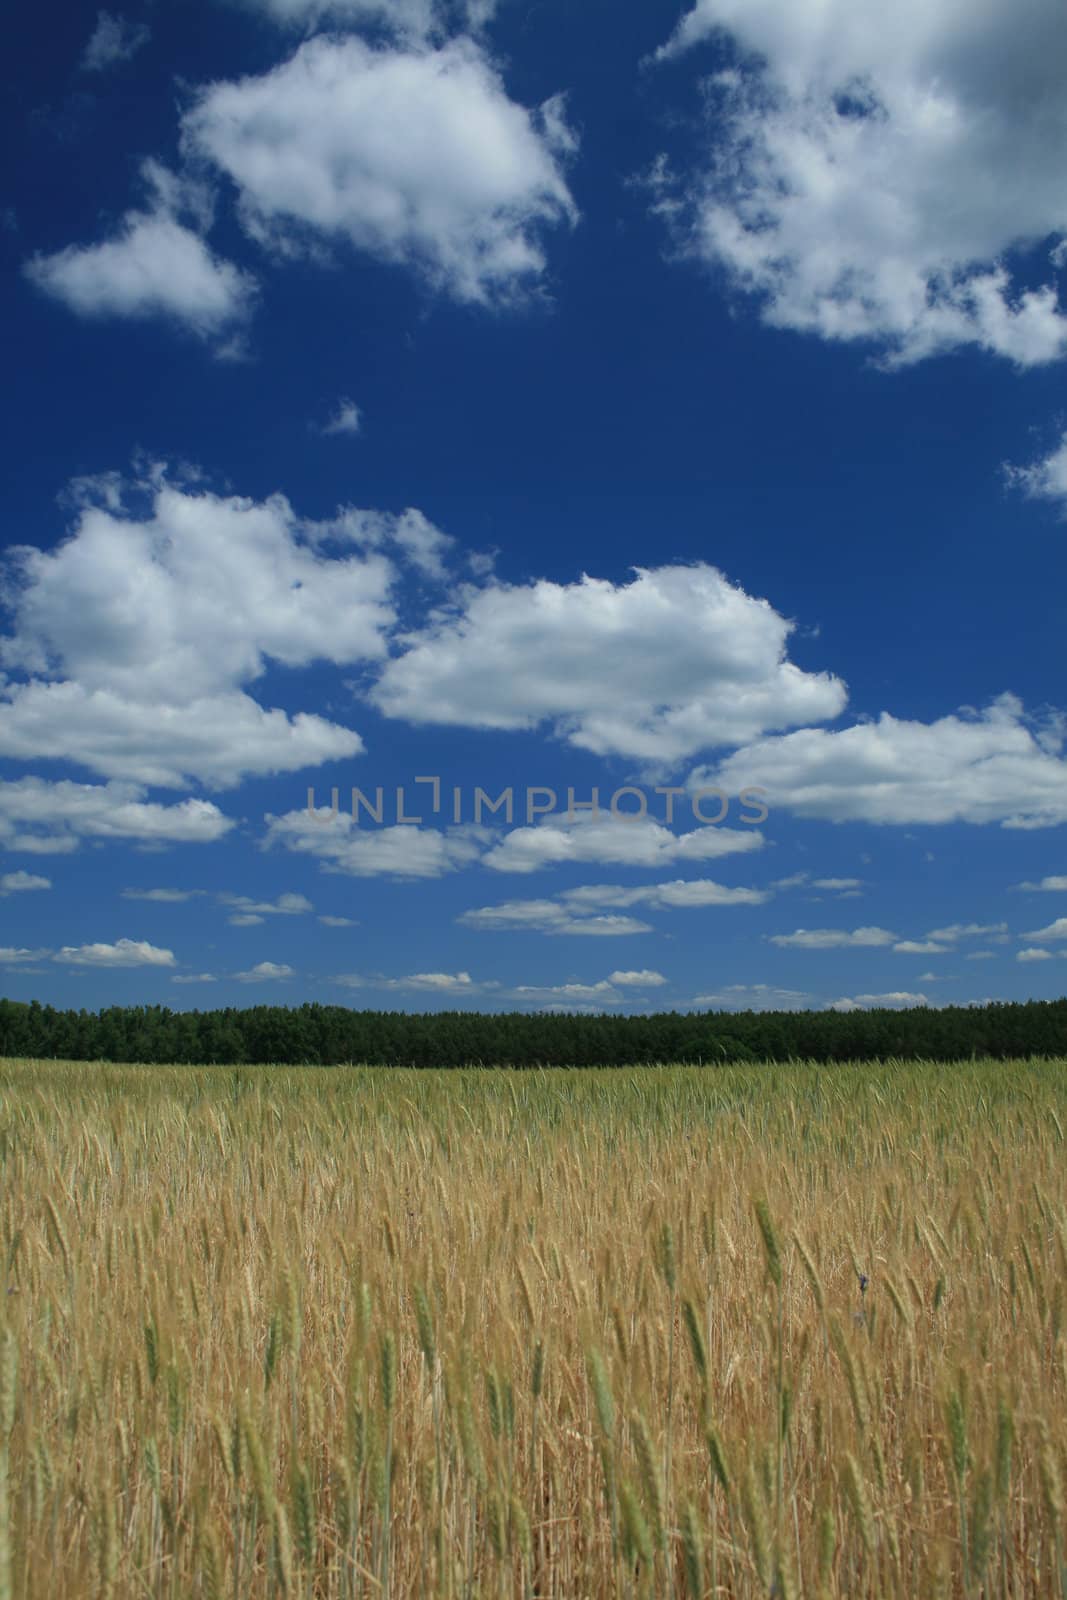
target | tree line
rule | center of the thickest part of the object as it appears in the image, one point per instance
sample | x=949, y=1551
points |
x=329, y=1035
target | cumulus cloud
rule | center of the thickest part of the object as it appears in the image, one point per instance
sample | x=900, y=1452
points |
x=441, y=982
x=426, y=982
x=679, y=894
x=113, y=40
x=969, y=930
x=834, y=938
x=565, y=996
x=165, y=897
x=643, y=979
x=1055, y=930
x=22, y=883
x=218, y=739
x=673, y=662
x=919, y=947
x=550, y=916
x=596, y=908
x=156, y=265
x=43, y=818
x=345, y=418
x=1034, y=955
x=897, y=999
x=137, y=667
x=841, y=888
x=413, y=155
x=248, y=913
x=19, y=956
x=265, y=972
x=1056, y=883
x=997, y=765
x=1045, y=479
x=413, y=20
x=338, y=922
x=194, y=977
x=410, y=534
x=868, y=182
x=388, y=852
x=614, y=841
x=123, y=953
x=753, y=997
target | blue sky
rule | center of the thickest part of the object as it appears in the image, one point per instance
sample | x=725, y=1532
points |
x=534, y=396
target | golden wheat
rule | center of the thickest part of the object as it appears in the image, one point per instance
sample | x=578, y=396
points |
x=345, y=1333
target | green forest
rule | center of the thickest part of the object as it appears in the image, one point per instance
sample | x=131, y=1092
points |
x=330, y=1035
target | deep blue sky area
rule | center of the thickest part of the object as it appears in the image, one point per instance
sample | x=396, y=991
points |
x=542, y=394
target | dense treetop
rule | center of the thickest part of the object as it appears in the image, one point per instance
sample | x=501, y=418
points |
x=331, y=1034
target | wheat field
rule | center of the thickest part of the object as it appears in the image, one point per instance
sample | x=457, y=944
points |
x=779, y=1330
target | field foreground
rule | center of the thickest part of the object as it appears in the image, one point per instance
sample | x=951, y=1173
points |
x=339, y=1332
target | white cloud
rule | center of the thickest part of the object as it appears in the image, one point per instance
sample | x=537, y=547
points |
x=265, y=972
x=248, y=912
x=1034, y=955
x=840, y=888
x=549, y=916
x=969, y=930
x=896, y=999
x=371, y=852
x=679, y=894
x=409, y=533
x=45, y=818
x=338, y=922
x=568, y=996
x=22, y=883
x=219, y=739
x=163, y=896
x=997, y=765
x=1045, y=479
x=1054, y=884
x=113, y=40
x=416, y=156
x=195, y=977
x=834, y=938
x=676, y=661
x=870, y=181
x=559, y=1008
x=123, y=953
x=137, y=666
x=407, y=18
x=415, y=20
x=614, y=841
x=644, y=979
x=156, y=265
x=919, y=947
x=427, y=982
x=443, y=981
x=17, y=956
x=754, y=997
x=594, y=908
x=1055, y=930
x=346, y=417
